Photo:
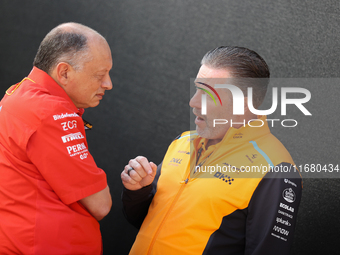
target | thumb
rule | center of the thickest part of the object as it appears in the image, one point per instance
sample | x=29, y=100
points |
x=154, y=169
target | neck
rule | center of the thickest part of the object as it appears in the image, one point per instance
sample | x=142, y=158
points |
x=212, y=142
x=246, y=118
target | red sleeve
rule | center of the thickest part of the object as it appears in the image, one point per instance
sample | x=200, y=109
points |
x=60, y=152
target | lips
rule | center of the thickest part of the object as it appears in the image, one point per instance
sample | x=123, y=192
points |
x=100, y=95
x=199, y=118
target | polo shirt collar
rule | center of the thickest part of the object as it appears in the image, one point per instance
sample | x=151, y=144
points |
x=43, y=79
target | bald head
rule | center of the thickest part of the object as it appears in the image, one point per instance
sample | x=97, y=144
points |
x=76, y=28
x=68, y=42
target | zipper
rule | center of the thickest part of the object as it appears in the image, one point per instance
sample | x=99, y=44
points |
x=199, y=153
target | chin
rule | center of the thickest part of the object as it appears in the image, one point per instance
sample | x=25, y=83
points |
x=93, y=105
x=202, y=132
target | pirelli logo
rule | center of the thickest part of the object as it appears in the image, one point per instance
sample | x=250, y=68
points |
x=72, y=137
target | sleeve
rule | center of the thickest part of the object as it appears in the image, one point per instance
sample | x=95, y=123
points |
x=59, y=151
x=272, y=213
x=136, y=202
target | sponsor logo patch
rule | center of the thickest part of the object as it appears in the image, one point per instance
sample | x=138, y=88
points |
x=289, y=195
x=287, y=207
x=71, y=137
x=65, y=115
x=76, y=149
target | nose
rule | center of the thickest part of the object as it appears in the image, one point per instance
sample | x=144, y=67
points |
x=195, y=101
x=107, y=83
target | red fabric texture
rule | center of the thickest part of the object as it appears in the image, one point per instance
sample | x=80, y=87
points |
x=45, y=169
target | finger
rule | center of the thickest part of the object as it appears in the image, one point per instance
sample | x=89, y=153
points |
x=132, y=173
x=145, y=164
x=129, y=169
x=137, y=168
x=154, y=168
x=126, y=178
x=141, y=165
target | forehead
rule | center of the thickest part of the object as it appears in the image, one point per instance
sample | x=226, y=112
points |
x=208, y=72
x=101, y=56
x=212, y=76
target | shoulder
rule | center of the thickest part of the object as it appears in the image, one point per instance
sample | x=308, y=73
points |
x=189, y=135
x=273, y=148
x=182, y=142
x=35, y=103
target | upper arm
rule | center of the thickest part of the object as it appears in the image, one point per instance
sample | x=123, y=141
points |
x=272, y=214
x=58, y=150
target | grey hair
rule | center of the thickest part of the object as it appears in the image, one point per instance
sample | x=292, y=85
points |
x=248, y=67
x=62, y=46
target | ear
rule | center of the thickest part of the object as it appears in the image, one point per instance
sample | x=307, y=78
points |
x=63, y=74
x=246, y=108
x=247, y=112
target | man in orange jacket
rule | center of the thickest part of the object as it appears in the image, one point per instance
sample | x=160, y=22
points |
x=230, y=187
x=52, y=194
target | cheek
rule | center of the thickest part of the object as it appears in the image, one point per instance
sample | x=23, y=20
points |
x=96, y=85
x=219, y=112
x=89, y=88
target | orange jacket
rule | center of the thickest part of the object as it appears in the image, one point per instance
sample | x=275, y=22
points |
x=226, y=206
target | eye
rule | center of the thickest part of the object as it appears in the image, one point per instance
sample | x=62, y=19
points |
x=198, y=89
x=99, y=76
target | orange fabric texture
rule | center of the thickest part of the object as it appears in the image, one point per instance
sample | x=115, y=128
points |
x=189, y=206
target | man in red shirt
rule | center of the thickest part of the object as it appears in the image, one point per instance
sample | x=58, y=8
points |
x=52, y=194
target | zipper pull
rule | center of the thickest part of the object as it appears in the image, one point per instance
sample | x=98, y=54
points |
x=185, y=181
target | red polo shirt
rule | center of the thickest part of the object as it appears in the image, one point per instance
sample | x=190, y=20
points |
x=45, y=169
